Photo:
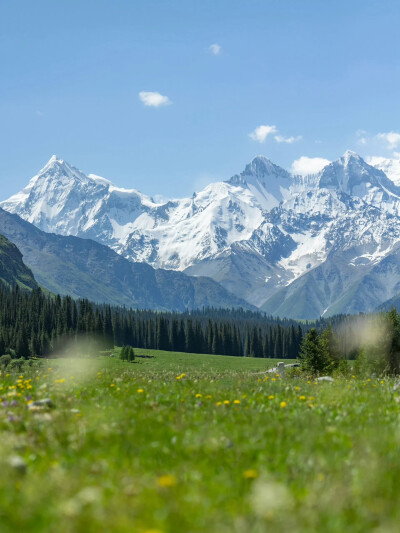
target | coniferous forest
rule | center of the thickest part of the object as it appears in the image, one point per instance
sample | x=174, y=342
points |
x=38, y=324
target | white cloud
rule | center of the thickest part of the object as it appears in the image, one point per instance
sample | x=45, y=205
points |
x=215, y=49
x=391, y=138
x=262, y=132
x=154, y=99
x=288, y=140
x=308, y=165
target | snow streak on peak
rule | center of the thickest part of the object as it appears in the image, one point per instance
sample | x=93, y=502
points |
x=268, y=182
x=352, y=175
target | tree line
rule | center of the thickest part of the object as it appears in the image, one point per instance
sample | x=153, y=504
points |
x=38, y=324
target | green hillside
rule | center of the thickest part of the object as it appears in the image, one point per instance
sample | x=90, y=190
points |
x=13, y=271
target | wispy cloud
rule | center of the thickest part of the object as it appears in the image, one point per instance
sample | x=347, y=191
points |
x=287, y=140
x=154, y=99
x=215, y=49
x=389, y=140
x=392, y=139
x=308, y=165
x=261, y=133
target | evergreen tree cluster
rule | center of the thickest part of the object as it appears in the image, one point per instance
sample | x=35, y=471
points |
x=319, y=352
x=127, y=353
x=39, y=324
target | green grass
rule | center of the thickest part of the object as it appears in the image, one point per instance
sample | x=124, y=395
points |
x=128, y=447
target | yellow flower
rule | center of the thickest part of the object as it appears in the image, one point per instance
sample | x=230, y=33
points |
x=236, y=402
x=199, y=395
x=218, y=404
x=140, y=391
x=208, y=397
x=273, y=379
x=297, y=388
x=166, y=481
x=271, y=397
x=250, y=474
x=302, y=397
x=283, y=405
x=112, y=385
x=226, y=402
x=382, y=382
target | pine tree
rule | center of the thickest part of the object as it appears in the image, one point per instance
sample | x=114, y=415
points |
x=312, y=354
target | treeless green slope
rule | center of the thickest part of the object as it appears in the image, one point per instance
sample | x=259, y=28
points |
x=13, y=271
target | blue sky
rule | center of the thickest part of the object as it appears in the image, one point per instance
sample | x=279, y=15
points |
x=324, y=74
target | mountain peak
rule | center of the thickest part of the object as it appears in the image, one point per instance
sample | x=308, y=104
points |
x=261, y=166
x=354, y=176
x=266, y=181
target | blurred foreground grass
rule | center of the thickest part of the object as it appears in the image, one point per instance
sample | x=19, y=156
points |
x=180, y=443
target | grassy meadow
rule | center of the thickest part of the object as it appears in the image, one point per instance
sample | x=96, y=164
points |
x=186, y=443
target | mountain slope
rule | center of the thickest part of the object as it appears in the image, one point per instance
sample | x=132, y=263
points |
x=84, y=268
x=295, y=246
x=13, y=271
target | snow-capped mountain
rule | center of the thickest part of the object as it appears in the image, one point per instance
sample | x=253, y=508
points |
x=295, y=246
x=391, y=167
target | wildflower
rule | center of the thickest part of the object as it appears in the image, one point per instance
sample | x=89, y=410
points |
x=199, y=395
x=226, y=402
x=237, y=402
x=250, y=474
x=140, y=391
x=302, y=397
x=297, y=388
x=273, y=379
x=271, y=397
x=208, y=397
x=112, y=385
x=166, y=481
x=382, y=382
x=283, y=405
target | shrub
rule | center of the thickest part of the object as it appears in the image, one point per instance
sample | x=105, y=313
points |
x=16, y=364
x=5, y=360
